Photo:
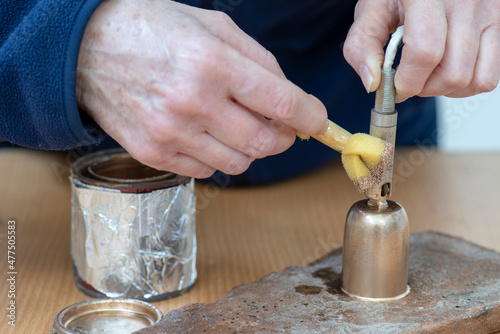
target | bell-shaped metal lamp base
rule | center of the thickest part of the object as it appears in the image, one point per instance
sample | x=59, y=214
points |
x=375, y=252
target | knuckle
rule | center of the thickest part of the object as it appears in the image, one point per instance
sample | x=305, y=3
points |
x=181, y=100
x=159, y=131
x=237, y=166
x=455, y=80
x=148, y=156
x=263, y=144
x=406, y=86
x=177, y=163
x=358, y=9
x=203, y=172
x=408, y=90
x=178, y=98
x=486, y=84
x=352, y=45
x=288, y=140
x=284, y=105
x=156, y=135
x=223, y=18
x=203, y=57
x=209, y=57
x=427, y=54
x=270, y=60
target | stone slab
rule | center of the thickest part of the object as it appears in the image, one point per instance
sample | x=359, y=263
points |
x=455, y=288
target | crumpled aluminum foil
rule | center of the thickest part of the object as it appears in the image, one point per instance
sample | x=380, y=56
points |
x=134, y=245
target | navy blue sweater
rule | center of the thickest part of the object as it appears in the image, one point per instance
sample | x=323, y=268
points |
x=39, y=42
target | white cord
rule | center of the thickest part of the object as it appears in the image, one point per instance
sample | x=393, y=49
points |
x=392, y=48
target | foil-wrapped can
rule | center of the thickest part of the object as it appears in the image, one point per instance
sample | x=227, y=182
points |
x=132, y=228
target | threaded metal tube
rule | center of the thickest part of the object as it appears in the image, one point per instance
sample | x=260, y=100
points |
x=385, y=94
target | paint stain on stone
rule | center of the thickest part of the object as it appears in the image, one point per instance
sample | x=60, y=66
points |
x=308, y=289
x=331, y=279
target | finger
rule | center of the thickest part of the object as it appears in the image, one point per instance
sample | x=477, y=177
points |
x=249, y=133
x=456, y=69
x=178, y=163
x=363, y=47
x=487, y=70
x=189, y=166
x=223, y=27
x=213, y=153
x=424, y=44
x=400, y=98
x=258, y=89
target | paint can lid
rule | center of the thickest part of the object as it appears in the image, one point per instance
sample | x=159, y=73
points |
x=106, y=316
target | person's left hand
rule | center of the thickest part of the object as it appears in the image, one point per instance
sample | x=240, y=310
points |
x=184, y=89
x=451, y=47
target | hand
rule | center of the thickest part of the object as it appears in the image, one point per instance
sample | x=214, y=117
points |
x=451, y=47
x=185, y=90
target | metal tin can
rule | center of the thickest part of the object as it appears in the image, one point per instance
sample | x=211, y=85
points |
x=132, y=228
x=116, y=316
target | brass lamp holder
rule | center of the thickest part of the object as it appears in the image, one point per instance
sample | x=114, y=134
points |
x=376, y=236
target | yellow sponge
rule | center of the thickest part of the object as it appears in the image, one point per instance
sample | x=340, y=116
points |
x=366, y=158
x=361, y=153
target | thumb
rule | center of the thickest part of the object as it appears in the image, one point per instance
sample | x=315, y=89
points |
x=374, y=20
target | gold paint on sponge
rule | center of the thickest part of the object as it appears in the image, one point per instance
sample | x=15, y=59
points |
x=366, y=160
x=361, y=145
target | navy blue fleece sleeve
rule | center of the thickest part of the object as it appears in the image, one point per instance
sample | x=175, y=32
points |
x=39, y=43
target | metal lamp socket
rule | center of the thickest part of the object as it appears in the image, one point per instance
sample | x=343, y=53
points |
x=383, y=125
x=375, y=252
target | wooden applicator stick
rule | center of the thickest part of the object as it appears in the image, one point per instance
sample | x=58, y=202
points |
x=335, y=137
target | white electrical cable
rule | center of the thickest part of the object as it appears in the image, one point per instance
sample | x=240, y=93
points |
x=392, y=48
x=384, y=98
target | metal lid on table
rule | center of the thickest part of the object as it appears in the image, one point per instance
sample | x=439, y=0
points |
x=106, y=316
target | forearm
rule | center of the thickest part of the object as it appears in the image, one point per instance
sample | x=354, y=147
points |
x=39, y=46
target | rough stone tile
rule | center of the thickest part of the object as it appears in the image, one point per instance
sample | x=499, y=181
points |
x=455, y=288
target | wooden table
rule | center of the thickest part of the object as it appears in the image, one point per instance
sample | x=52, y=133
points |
x=243, y=234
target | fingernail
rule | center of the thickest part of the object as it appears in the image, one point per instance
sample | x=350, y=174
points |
x=366, y=77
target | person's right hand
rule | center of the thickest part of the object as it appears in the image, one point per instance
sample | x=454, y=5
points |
x=185, y=90
x=452, y=47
